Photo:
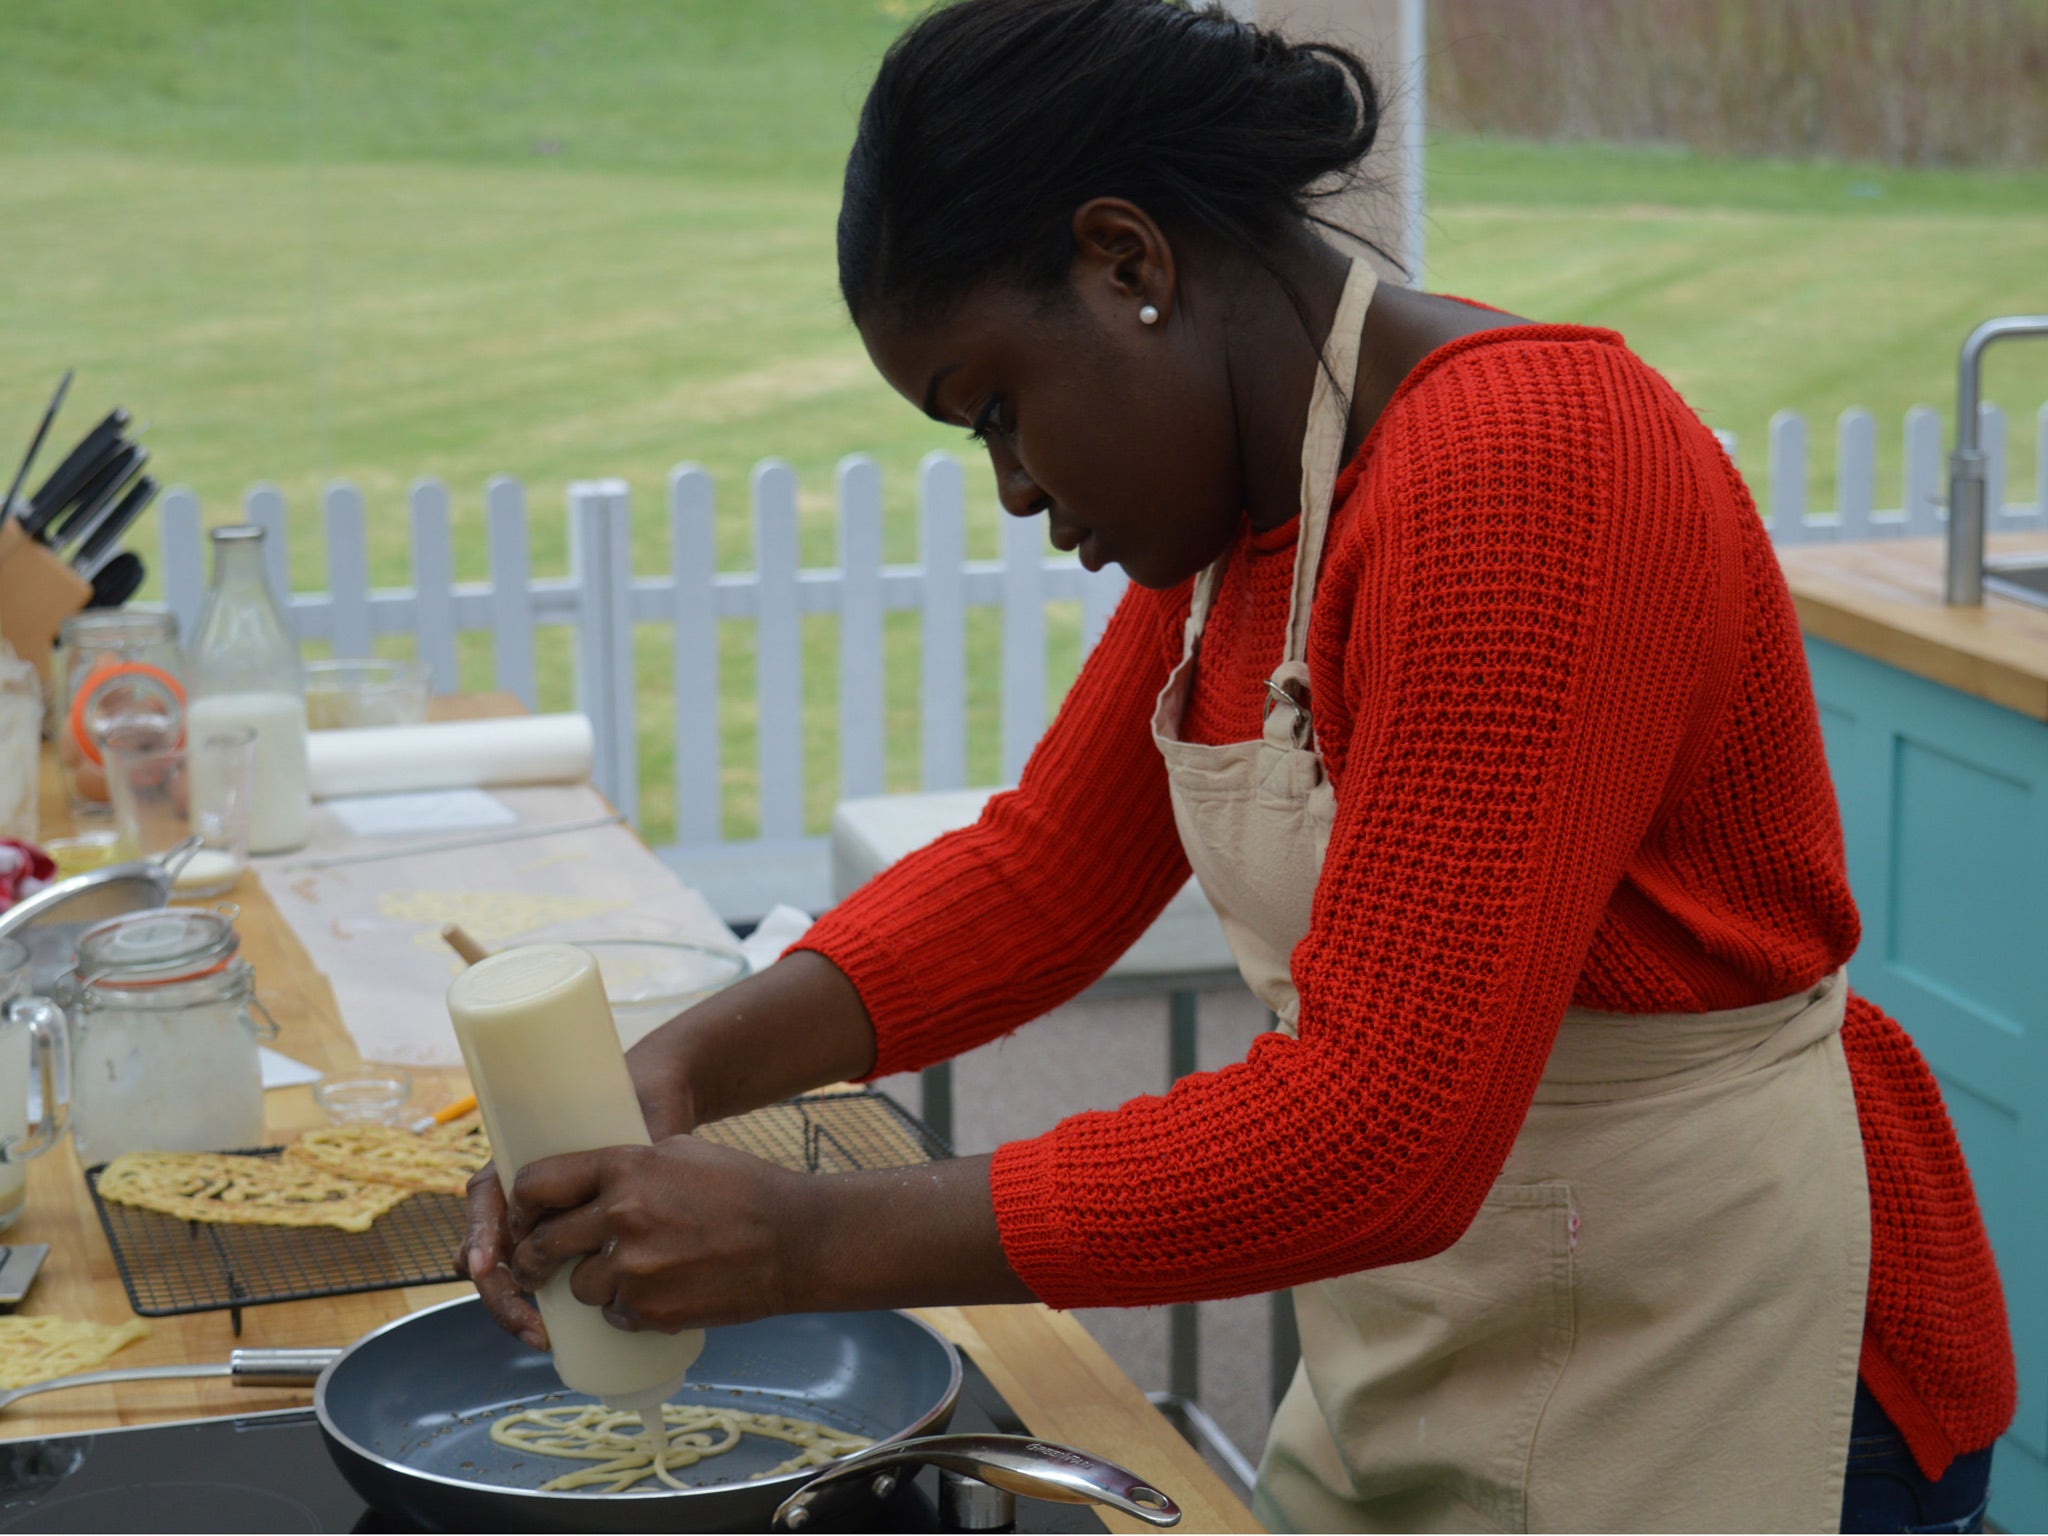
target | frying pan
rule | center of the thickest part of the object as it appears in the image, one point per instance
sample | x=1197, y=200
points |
x=407, y=1414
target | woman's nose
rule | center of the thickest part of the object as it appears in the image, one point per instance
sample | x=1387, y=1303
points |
x=1020, y=495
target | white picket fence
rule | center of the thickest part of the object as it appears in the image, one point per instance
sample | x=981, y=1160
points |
x=1924, y=477
x=602, y=600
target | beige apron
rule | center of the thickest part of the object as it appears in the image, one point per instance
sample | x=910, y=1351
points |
x=1654, y=1321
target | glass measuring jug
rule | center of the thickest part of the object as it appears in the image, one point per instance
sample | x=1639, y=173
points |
x=32, y=1051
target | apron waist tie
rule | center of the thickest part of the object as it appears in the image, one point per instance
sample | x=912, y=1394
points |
x=1607, y=1057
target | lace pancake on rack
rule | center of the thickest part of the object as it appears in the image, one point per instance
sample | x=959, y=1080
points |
x=624, y=1455
x=244, y=1191
x=438, y=1161
x=44, y=1348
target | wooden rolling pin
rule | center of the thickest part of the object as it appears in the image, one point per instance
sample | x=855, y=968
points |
x=471, y=951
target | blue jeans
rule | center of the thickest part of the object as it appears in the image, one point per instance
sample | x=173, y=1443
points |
x=1886, y=1491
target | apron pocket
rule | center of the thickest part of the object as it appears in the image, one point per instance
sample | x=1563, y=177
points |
x=1432, y=1377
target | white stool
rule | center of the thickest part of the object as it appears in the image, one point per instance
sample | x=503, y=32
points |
x=1183, y=950
x=1182, y=954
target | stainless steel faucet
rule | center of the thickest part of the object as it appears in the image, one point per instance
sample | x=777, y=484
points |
x=1964, y=586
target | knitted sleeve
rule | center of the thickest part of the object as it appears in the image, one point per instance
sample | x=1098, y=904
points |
x=1521, y=600
x=1936, y=1340
x=991, y=926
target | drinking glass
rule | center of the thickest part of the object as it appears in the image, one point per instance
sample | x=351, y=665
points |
x=21, y=747
x=120, y=668
x=166, y=791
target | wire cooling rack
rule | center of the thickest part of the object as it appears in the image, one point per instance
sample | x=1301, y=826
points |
x=832, y=1133
x=169, y=1267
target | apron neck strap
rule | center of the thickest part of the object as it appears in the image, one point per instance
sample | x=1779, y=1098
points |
x=1322, y=446
x=1322, y=452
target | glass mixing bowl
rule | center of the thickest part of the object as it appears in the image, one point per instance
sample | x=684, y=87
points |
x=650, y=981
x=374, y=690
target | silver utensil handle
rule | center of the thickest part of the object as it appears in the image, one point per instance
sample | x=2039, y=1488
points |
x=111, y=1378
x=1037, y=1469
x=245, y=1367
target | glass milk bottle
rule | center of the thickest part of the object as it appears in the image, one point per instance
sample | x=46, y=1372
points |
x=242, y=670
x=544, y=1058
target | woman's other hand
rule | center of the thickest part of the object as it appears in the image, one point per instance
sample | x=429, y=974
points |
x=482, y=1261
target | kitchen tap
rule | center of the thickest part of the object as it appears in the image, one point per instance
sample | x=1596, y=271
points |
x=1964, y=584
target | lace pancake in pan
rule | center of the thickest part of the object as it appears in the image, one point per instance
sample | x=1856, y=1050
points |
x=624, y=1456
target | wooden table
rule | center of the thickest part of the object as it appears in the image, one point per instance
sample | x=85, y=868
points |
x=1044, y=1363
x=1882, y=599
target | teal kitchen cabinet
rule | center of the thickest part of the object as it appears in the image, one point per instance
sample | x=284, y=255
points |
x=1944, y=801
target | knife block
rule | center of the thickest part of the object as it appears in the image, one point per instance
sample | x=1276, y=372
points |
x=38, y=592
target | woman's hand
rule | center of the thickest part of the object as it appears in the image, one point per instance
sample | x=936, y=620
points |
x=690, y=1234
x=705, y=1065
x=682, y=1234
x=687, y=1234
x=483, y=1255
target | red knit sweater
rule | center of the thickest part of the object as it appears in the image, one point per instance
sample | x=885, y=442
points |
x=1514, y=625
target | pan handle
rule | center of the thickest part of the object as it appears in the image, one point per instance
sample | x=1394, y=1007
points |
x=1013, y=1463
x=278, y=1367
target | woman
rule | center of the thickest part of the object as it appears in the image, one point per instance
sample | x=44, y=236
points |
x=1460, y=672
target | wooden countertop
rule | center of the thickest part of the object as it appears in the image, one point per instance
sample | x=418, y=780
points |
x=1882, y=599
x=1044, y=1363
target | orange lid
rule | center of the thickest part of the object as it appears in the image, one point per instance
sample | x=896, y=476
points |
x=149, y=681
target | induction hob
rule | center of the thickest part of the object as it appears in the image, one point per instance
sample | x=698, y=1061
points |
x=271, y=1472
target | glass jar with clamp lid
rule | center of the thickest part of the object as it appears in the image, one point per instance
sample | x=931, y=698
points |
x=164, y=1032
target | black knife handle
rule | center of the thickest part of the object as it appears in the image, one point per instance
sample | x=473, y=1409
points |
x=106, y=533
x=70, y=476
x=117, y=581
x=101, y=489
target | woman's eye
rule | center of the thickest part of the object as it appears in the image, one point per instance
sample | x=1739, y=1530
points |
x=988, y=422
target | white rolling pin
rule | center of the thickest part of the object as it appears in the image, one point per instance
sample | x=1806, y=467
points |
x=458, y=754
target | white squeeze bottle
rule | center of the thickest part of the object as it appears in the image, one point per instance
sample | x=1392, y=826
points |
x=550, y=1076
x=242, y=668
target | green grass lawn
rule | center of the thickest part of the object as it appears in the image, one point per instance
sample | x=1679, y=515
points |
x=323, y=240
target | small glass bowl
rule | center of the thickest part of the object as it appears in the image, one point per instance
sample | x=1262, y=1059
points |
x=373, y=1096
x=88, y=850
x=352, y=693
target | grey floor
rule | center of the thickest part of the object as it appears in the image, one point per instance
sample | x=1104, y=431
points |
x=1095, y=1055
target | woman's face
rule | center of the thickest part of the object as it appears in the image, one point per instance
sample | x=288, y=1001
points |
x=1120, y=432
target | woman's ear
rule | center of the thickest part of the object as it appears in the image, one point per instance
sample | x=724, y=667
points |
x=1123, y=260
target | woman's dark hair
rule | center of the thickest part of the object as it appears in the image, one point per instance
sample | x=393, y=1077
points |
x=991, y=121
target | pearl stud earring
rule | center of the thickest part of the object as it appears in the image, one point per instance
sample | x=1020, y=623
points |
x=1148, y=314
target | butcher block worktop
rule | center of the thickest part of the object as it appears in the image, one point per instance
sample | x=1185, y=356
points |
x=1043, y=1363
x=1882, y=599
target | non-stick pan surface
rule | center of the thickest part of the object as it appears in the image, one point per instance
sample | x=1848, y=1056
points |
x=407, y=1412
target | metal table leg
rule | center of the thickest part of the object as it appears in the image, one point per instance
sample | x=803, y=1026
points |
x=937, y=1085
x=1181, y=1401
x=1286, y=1344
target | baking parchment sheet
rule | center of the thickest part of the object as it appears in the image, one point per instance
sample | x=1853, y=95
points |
x=374, y=928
